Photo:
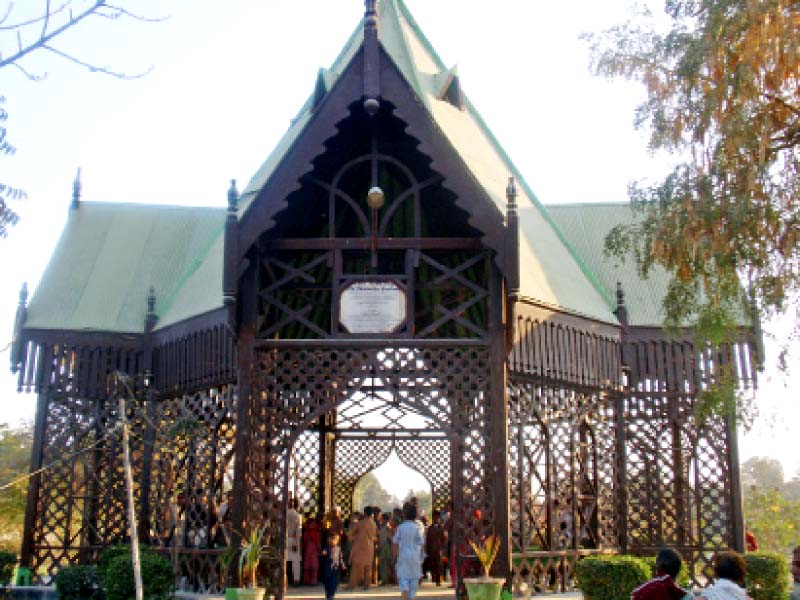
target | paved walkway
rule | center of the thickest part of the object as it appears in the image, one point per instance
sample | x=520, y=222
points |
x=426, y=592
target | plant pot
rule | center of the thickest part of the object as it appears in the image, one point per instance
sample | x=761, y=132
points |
x=484, y=588
x=254, y=593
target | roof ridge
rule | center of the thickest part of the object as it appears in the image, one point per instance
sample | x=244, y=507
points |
x=588, y=204
x=139, y=205
x=590, y=275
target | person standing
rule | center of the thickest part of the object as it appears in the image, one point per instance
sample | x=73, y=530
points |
x=408, y=539
x=435, y=544
x=385, y=550
x=362, y=537
x=294, y=530
x=331, y=564
x=312, y=547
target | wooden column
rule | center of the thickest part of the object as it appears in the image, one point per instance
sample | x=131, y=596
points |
x=241, y=467
x=737, y=510
x=150, y=411
x=34, y=483
x=498, y=453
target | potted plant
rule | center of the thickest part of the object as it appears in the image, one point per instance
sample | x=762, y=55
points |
x=485, y=587
x=249, y=558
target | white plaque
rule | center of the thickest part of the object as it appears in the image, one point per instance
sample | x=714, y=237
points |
x=372, y=307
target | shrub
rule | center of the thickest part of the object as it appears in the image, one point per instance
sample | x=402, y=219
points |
x=157, y=577
x=610, y=577
x=107, y=555
x=8, y=561
x=767, y=576
x=78, y=582
x=683, y=578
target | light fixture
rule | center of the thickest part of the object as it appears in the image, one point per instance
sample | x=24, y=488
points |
x=375, y=197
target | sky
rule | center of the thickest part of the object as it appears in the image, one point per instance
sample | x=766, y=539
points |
x=225, y=83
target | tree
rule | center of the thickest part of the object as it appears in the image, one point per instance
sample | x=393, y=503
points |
x=15, y=456
x=37, y=30
x=773, y=518
x=762, y=472
x=370, y=492
x=723, y=95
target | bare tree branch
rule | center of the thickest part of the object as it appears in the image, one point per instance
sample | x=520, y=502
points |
x=42, y=41
x=8, y=13
x=29, y=75
x=46, y=18
x=119, y=11
x=53, y=12
x=95, y=68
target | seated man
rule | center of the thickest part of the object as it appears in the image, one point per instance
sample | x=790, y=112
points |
x=663, y=586
x=729, y=571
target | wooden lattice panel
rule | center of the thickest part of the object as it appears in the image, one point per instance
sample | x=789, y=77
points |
x=80, y=505
x=354, y=459
x=563, y=480
x=294, y=388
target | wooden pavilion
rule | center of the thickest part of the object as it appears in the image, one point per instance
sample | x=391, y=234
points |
x=386, y=282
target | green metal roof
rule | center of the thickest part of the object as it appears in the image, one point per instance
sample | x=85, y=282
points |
x=108, y=257
x=553, y=272
x=586, y=226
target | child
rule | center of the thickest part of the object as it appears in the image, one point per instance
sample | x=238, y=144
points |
x=331, y=564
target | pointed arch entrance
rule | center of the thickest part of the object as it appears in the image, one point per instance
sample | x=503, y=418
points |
x=316, y=392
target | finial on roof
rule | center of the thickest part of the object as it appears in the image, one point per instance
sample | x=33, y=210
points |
x=511, y=194
x=233, y=196
x=17, y=343
x=372, y=84
x=621, y=311
x=150, y=318
x=76, y=190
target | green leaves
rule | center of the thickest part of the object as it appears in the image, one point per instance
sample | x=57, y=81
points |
x=722, y=95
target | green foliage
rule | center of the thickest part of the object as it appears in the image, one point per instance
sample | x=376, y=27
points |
x=252, y=548
x=682, y=580
x=370, y=492
x=610, y=577
x=773, y=518
x=157, y=577
x=109, y=554
x=7, y=562
x=78, y=582
x=486, y=551
x=15, y=459
x=767, y=576
x=720, y=78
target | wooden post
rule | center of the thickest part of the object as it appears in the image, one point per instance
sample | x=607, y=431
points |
x=498, y=453
x=241, y=467
x=150, y=410
x=42, y=408
x=737, y=511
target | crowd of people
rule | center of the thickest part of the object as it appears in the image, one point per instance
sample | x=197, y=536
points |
x=369, y=548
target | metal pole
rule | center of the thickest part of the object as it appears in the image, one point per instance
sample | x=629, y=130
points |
x=126, y=457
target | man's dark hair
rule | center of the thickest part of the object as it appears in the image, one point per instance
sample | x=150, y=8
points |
x=367, y=511
x=730, y=565
x=409, y=512
x=669, y=562
x=293, y=503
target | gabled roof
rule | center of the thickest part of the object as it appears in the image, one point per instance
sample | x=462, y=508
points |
x=108, y=257
x=586, y=226
x=553, y=273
